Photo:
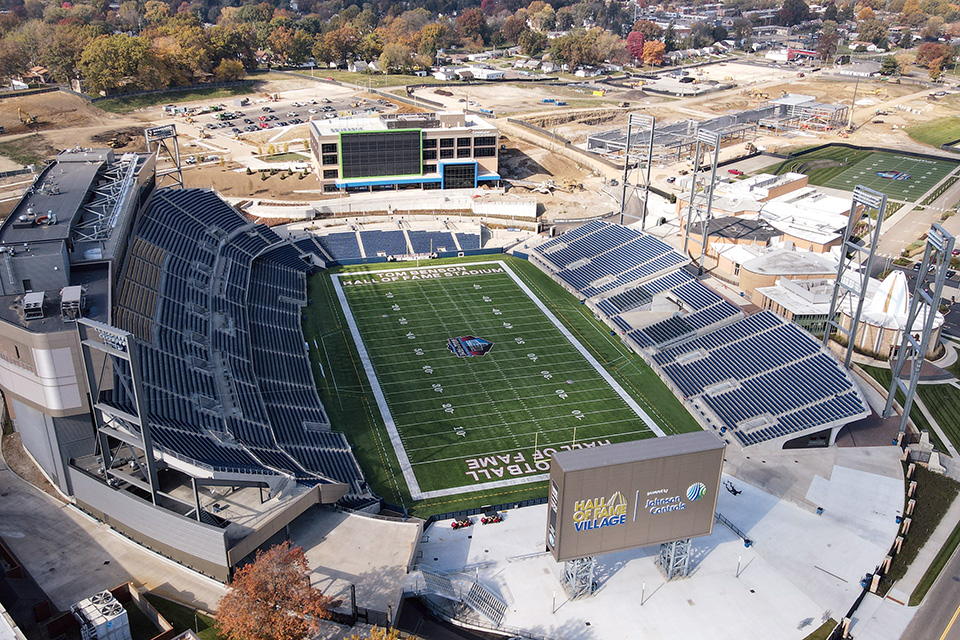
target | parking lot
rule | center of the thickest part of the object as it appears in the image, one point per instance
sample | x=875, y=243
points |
x=265, y=114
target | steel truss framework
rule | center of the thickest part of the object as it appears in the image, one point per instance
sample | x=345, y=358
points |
x=674, y=559
x=578, y=576
x=707, y=142
x=109, y=199
x=913, y=347
x=853, y=273
x=647, y=126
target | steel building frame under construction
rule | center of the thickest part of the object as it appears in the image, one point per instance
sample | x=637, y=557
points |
x=794, y=112
x=673, y=142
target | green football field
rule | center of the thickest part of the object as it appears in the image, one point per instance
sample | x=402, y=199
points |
x=844, y=168
x=475, y=380
x=924, y=174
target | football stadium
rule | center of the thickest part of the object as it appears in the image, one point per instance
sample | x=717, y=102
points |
x=162, y=353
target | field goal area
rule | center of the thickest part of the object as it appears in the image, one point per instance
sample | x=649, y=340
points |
x=477, y=382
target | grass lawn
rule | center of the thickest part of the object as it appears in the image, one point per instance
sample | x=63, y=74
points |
x=373, y=80
x=935, y=494
x=823, y=631
x=289, y=156
x=183, y=618
x=883, y=376
x=939, y=562
x=943, y=403
x=503, y=402
x=844, y=168
x=936, y=132
x=121, y=104
x=22, y=151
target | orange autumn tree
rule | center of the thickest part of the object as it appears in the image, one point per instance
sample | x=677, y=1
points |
x=272, y=599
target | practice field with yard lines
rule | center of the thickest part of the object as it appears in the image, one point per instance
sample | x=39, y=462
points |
x=908, y=178
x=476, y=380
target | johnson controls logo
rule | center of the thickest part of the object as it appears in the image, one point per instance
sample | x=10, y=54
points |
x=696, y=491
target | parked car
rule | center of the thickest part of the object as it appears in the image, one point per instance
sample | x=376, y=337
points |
x=735, y=172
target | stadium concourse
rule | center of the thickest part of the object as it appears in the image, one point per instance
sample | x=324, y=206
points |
x=759, y=379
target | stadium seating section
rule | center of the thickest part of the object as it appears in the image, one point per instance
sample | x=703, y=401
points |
x=762, y=377
x=215, y=303
x=346, y=245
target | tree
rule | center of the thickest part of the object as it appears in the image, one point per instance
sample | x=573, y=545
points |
x=635, y=43
x=512, y=28
x=653, y=53
x=743, y=31
x=272, y=598
x=874, y=31
x=906, y=39
x=396, y=57
x=866, y=14
x=669, y=38
x=935, y=57
x=830, y=13
x=793, y=12
x=889, y=66
x=229, y=70
x=532, y=43
x=828, y=40
x=472, y=24
x=650, y=30
x=109, y=62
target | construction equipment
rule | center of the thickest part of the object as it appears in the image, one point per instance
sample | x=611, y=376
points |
x=572, y=185
x=26, y=118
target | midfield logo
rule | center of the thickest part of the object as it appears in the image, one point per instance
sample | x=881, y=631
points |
x=893, y=175
x=468, y=346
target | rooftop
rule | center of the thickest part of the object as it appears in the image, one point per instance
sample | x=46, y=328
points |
x=428, y=121
x=786, y=262
x=58, y=192
x=734, y=228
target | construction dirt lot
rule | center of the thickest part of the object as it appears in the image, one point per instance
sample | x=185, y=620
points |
x=65, y=121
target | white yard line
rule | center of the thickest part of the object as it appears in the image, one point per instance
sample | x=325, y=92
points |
x=389, y=422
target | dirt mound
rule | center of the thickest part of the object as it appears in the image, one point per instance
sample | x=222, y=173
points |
x=634, y=94
x=128, y=139
x=54, y=110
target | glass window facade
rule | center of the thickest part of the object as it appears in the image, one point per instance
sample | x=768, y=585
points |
x=446, y=143
x=429, y=154
x=380, y=153
x=463, y=153
x=485, y=152
x=485, y=141
x=329, y=174
x=330, y=158
x=446, y=153
x=429, y=143
x=463, y=142
x=329, y=147
x=459, y=176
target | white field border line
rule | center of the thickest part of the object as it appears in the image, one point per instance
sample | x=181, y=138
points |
x=391, y=426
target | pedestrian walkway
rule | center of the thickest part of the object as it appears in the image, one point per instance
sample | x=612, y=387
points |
x=72, y=556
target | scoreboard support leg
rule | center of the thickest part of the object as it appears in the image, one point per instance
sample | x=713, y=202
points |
x=578, y=576
x=674, y=559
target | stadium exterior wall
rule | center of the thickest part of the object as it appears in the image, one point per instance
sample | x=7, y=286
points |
x=197, y=545
x=53, y=441
x=279, y=522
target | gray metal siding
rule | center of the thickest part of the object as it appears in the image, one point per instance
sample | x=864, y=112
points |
x=192, y=543
x=39, y=439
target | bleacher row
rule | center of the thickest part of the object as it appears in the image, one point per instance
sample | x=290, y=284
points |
x=763, y=377
x=224, y=364
x=346, y=245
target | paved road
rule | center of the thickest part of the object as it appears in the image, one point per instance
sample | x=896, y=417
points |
x=939, y=616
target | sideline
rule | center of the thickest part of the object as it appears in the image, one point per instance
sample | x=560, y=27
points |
x=414, y=486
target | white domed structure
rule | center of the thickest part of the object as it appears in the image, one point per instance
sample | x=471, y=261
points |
x=884, y=318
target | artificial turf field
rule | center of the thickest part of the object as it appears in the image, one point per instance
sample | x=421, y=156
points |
x=471, y=439
x=852, y=167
